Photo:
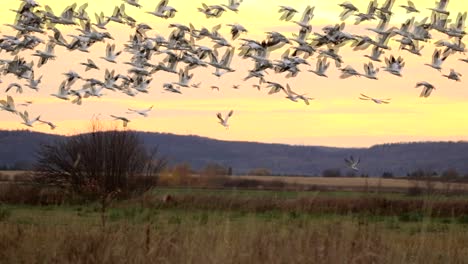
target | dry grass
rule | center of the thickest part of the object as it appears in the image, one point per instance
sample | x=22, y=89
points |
x=354, y=182
x=198, y=237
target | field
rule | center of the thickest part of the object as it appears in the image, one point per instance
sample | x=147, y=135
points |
x=356, y=182
x=199, y=225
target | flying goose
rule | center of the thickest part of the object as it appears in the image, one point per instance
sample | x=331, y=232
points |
x=410, y=8
x=8, y=105
x=321, y=67
x=370, y=71
x=437, y=59
x=123, y=119
x=224, y=121
x=352, y=163
x=375, y=100
x=90, y=65
x=427, y=89
x=19, y=88
x=143, y=112
x=453, y=75
x=26, y=121
x=110, y=54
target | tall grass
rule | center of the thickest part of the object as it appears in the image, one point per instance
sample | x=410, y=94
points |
x=195, y=237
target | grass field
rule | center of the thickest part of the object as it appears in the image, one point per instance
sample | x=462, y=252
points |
x=341, y=183
x=355, y=182
x=198, y=225
x=216, y=226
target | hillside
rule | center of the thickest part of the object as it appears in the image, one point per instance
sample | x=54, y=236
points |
x=19, y=147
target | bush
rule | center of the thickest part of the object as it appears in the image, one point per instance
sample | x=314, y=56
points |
x=4, y=213
x=98, y=163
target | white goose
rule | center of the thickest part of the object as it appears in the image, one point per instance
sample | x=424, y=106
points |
x=184, y=78
x=111, y=55
x=121, y=118
x=224, y=121
x=19, y=88
x=453, y=75
x=26, y=121
x=352, y=163
x=90, y=65
x=8, y=105
x=47, y=54
x=34, y=84
x=375, y=100
x=50, y=124
x=321, y=67
x=163, y=10
x=143, y=112
x=437, y=59
x=63, y=92
x=410, y=8
x=427, y=89
x=370, y=71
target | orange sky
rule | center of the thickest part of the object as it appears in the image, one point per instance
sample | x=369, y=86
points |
x=335, y=118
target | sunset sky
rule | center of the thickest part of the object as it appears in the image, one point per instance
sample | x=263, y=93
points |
x=335, y=118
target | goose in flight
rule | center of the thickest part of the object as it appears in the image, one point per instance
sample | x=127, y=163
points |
x=50, y=124
x=19, y=88
x=427, y=89
x=224, y=121
x=63, y=92
x=236, y=30
x=163, y=10
x=196, y=85
x=288, y=13
x=72, y=76
x=349, y=71
x=34, y=84
x=26, y=121
x=441, y=7
x=453, y=75
x=410, y=8
x=26, y=103
x=225, y=62
x=293, y=96
x=394, y=65
x=143, y=112
x=8, y=105
x=437, y=59
x=375, y=55
x=375, y=100
x=45, y=55
x=133, y=3
x=111, y=55
x=352, y=163
x=233, y=5
x=169, y=87
x=121, y=118
x=184, y=78
x=370, y=71
x=90, y=65
x=321, y=67
x=348, y=10
x=101, y=21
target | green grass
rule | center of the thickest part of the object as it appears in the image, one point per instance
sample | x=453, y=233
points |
x=146, y=232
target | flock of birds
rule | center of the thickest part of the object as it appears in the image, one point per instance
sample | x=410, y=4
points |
x=184, y=51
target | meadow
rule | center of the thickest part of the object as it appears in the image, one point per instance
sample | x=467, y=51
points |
x=239, y=226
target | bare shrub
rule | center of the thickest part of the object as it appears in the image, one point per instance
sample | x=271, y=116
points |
x=99, y=163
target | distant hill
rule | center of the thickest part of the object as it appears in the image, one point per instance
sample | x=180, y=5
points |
x=19, y=148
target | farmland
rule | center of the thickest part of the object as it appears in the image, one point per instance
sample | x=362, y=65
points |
x=200, y=225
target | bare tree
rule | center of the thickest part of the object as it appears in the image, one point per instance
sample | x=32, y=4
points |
x=99, y=162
